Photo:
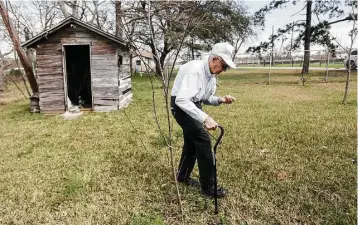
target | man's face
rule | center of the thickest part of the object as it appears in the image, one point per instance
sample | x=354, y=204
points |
x=217, y=65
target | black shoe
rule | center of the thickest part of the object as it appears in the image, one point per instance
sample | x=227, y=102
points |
x=190, y=182
x=210, y=193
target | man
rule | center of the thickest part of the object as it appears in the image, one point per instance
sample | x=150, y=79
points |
x=195, y=84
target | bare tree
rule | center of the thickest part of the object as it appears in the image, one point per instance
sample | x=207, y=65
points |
x=24, y=19
x=3, y=67
x=92, y=12
x=72, y=5
x=218, y=22
x=243, y=28
x=48, y=13
x=163, y=15
x=64, y=11
x=21, y=53
x=4, y=64
x=27, y=16
x=353, y=35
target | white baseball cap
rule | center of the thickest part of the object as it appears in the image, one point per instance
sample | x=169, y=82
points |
x=225, y=51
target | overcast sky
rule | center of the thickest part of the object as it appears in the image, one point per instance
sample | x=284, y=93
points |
x=280, y=17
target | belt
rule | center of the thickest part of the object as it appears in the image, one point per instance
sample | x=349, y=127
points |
x=173, y=105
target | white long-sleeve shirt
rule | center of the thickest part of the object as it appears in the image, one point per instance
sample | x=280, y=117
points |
x=194, y=82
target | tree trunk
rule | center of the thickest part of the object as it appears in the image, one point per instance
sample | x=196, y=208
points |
x=2, y=84
x=131, y=63
x=353, y=36
x=306, y=59
x=159, y=64
x=237, y=47
x=327, y=63
x=74, y=8
x=119, y=29
x=21, y=53
x=63, y=9
x=348, y=78
x=192, y=49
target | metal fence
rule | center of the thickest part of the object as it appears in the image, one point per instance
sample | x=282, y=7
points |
x=318, y=58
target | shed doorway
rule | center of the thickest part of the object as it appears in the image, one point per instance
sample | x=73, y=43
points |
x=78, y=76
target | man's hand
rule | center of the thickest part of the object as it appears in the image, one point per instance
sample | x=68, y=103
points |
x=227, y=99
x=210, y=124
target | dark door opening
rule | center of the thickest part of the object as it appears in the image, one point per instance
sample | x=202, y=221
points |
x=78, y=78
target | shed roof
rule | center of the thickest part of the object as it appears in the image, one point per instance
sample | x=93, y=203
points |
x=67, y=21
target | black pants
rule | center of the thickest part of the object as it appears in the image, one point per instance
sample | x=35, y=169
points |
x=197, y=145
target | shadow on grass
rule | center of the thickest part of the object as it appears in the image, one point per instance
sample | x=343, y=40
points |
x=352, y=102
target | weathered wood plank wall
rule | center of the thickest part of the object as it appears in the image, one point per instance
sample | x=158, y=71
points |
x=50, y=77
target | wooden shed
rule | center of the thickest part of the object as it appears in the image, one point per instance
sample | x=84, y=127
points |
x=81, y=63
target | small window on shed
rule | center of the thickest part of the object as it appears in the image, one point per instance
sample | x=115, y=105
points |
x=120, y=60
x=354, y=52
x=138, y=62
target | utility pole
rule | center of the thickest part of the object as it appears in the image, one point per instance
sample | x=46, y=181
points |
x=293, y=25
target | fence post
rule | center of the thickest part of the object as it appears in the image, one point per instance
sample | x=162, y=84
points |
x=327, y=63
x=320, y=61
x=269, y=76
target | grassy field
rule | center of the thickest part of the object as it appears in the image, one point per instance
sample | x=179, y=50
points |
x=286, y=158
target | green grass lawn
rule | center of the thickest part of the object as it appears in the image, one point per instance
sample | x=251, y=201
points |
x=286, y=158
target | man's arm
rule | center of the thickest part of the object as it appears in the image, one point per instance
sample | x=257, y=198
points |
x=215, y=100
